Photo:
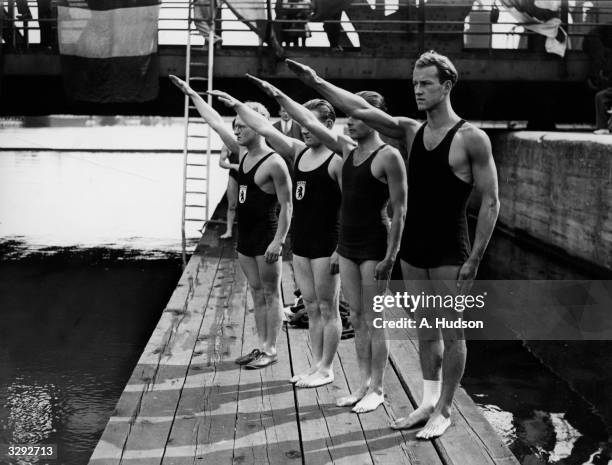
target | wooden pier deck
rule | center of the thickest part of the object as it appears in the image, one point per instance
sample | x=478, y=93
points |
x=188, y=403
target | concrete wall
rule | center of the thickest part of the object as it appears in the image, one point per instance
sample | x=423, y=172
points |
x=557, y=187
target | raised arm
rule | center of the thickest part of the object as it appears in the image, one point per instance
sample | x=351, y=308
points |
x=485, y=181
x=209, y=114
x=286, y=146
x=282, y=187
x=395, y=172
x=305, y=117
x=352, y=104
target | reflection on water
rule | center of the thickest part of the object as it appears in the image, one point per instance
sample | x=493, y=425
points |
x=119, y=200
x=534, y=394
x=73, y=326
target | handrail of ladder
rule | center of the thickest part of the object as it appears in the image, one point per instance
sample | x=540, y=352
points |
x=211, y=37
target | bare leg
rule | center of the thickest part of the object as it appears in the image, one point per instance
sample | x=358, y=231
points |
x=416, y=280
x=328, y=325
x=251, y=271
x=453, y=362
x=305, y=282
x=376, y=339
x=270, y=274
x=350, y=277
x=232, y=197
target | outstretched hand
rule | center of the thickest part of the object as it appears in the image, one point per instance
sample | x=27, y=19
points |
x=305, y=73
x=181, y=85
x=225, y=98
x=268, y=88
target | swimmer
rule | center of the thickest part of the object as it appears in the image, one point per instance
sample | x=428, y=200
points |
x=316, y=208
x=230, y=161
x=263, y=184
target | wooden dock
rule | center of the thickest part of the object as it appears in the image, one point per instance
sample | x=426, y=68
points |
x=187, y=402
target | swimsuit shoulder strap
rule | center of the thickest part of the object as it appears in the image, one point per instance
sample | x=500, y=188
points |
x=299, y=157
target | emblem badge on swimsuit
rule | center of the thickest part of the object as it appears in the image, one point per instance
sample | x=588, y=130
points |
x=300, y=190
x=242, y=194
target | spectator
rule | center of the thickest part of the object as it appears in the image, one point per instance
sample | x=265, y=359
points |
x=293, y=30
x=47, y=19
x=203, y=13
x=330, y=12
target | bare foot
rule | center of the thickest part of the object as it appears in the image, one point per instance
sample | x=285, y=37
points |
x=227, y=235
x=313, y=369
x=370, y=402
x=352, y=399
x=316, y=379
x=420, y=415
x=435, y=426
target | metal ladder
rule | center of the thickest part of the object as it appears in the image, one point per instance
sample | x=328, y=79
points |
x=196, y=161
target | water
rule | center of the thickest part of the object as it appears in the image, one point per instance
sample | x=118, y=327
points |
x=73, y=326
x=84, y=199
x=538, y=403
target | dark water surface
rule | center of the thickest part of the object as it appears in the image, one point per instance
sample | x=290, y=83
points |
x=73, y=326
x=550, y=401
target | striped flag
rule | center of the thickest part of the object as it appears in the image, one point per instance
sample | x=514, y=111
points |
x=109, y=49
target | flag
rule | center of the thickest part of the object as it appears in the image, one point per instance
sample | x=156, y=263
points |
x=108, y=49
x=541, y=17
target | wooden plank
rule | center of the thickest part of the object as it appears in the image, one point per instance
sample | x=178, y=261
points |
x=398, y=405
x=329, y=433
x=204, y=424
x=470, y=439
x=266, y=423
x=386, y=445
x=154, y=387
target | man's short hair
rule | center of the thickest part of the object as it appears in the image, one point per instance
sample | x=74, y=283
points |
x=374, y=99
x=324, y=108
x=259, y=108
x=445, y=67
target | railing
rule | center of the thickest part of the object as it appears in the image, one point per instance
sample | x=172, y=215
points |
x=475, y=29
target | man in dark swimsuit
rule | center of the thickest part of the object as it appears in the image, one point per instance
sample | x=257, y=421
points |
x=316, y=203
x=447, y=157
x=263, y=183
x=373, y=174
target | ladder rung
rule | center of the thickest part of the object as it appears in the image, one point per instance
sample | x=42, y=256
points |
x=197, y=136
x=196, y=192
x=196, y=179
x=198, y=63
x=198, y=78
x=195, y=206
x=196, y=219
x=197, y=164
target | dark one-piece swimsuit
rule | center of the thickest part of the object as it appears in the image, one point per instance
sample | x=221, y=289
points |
x=257, y=212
